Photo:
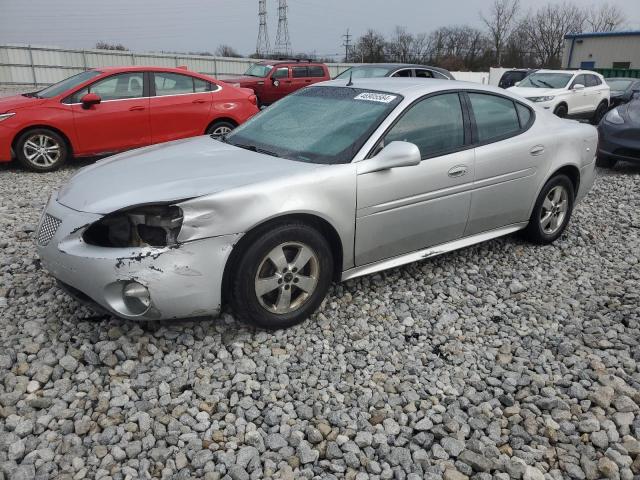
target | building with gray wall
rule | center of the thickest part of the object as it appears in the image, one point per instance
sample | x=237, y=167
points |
x=602, y=50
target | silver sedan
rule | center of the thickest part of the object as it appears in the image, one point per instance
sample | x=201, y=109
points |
x=336, y=181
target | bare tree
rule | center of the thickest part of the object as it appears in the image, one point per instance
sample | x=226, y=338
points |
x=227, y=51
x=604, y=18
x=400, y=46
x=369, y=48
x=500, y=22
x=111, y=46
x=545, y=30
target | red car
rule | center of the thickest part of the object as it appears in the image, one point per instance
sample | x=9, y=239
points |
x=108, y=110
x=273, y=80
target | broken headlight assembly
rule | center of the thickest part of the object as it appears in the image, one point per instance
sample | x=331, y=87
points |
x=149, y=226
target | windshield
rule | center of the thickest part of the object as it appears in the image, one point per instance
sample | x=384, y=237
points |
x=365, y=72
x=257, y=70
x=620, y=84
x=67, y=84
x=316, y=125
x=546, y=80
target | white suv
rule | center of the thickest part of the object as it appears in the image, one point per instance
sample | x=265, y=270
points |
x=567, y=93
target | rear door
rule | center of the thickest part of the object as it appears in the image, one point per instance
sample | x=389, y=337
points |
x=317, y=74
x=407, y=209
x=300, y=77
x=509, y=162
x=180, y=106
x=120, y=121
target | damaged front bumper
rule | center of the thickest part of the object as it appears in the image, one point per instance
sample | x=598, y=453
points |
x=181, y=281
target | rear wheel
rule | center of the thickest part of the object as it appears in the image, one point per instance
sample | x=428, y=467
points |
x=283, y=276
x=220, y=128
x=599, y=113
x=561, y=111
x=41, y=150
x=552, y=211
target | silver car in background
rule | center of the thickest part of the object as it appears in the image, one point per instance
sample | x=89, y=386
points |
x=336, y=181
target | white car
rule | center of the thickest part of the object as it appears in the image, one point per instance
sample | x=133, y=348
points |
x=579, y=94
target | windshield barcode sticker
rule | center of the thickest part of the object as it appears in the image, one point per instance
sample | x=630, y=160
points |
x=376, y=97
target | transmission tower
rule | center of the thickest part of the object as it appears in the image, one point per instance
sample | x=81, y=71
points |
x=263, y=47
x=283, y=44
x=347, y=45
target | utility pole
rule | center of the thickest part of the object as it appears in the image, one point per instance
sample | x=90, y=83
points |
x=347, y=45
x=262, y=46
x=283, y=44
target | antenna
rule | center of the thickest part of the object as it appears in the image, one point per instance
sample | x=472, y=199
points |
x=350, y=78
x=283, y=44
x=262, y=46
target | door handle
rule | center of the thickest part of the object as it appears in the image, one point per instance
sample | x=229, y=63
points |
x=537, y=150
x=198, y=101
x=136, y=108
x=458, y=171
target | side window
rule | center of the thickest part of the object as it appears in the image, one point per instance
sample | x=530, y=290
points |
x=402, y=73
x=424, y=73
x=435, y=125
x=172, y=83
x=200, y=85
x=524, y=114
x=592, y=81
x=115, y=87
x=580, y=79
x=281, y=73
x=300, y=72
x=316, y=71
x=495, y=116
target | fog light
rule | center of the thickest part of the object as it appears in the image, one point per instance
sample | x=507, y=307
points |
x=136, y=298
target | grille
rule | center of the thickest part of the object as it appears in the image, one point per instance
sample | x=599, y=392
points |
x=48, y=229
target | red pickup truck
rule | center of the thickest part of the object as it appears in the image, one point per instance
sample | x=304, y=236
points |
x=272, y=80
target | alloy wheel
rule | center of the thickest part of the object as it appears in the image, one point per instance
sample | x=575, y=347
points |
x=554, y=210
x=287, y=277
x=42, y=150
x=220, y=131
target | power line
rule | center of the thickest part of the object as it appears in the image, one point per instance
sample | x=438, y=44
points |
x=347, y=45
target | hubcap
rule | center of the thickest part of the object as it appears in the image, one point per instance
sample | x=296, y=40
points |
x=220, y=131
x=554, y=210
x=287, y=277
x=42, y=150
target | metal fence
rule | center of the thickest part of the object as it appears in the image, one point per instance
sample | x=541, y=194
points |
x=40, y=66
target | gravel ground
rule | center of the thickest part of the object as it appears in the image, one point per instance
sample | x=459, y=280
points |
x=504, y=360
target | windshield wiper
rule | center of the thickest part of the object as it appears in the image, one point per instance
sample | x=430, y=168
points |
x=546, y=83
x=253, y=148
x=31, y=95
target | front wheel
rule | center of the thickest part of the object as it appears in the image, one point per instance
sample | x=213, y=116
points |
x=220, y=128
x=561, y=111
x=41, y=150
x=282, y=276
x=552, y=211
x=599, y=113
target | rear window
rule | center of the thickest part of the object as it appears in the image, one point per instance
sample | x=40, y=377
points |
x=495, y=116
x=316, y=71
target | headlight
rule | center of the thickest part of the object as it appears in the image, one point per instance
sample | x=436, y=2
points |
x=541, y=99
x=4, y=116
x=614, y=117
x=150, y=226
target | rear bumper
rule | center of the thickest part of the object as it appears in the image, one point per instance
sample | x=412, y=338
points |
x=182, y=281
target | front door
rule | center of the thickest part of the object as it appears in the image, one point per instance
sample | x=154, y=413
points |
x=277, y=86
x=120, y=121
x=578, y=103
x=180, y=107
x=406, y=209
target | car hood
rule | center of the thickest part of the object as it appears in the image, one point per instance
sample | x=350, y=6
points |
x=15, y=102
x=170, y=172
x=243, y=80
x=528, y=92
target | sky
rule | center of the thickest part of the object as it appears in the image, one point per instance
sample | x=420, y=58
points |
x=315, y=26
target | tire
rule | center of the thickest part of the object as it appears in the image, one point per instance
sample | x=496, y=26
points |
x=41, y=150
x=599, y=113
x=544, y=229
x=605, y=162
x=561, y=111
x=219, y=128
x=262, y=286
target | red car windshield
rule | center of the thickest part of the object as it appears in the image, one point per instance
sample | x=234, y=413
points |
x=258, y=70
x=67, y=84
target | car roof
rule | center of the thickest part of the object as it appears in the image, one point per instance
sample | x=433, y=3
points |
x=572, y=72
x=413, y=87
x=633, y=79
x=399, y=65
x=143, y=68
x=289, y=62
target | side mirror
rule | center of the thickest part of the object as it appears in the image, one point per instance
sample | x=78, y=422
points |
x=276, y=82
x=394, y=155
x=90, y=99
x=517, y=84
x=578, y=86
